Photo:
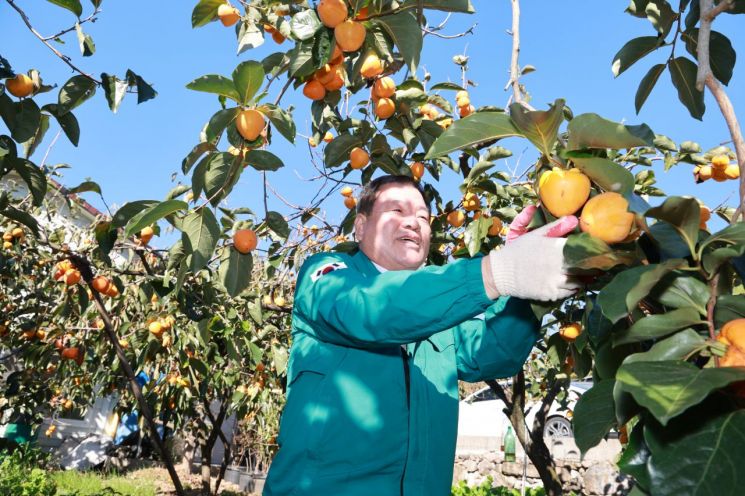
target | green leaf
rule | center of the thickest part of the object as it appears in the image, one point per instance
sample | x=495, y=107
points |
x=301, y=59
x=540, y=127
x=275, y=63
x=263, y=160
x=249, y=37
x=86, y=186
x=235, y=270
x=73, y=6
x=145, y=92
x=668, y=388
x=475, y=233
x=713, y=260
x=728, y=307
x=27, y=119
x=447, y=86
x=605, y=173
x=106, y=236
x=204, y=12
x=668, y=241
x=323, y=47
x=703, y=462
x=87, y=47
x=248, y=77
x=219, y=122
x=129, y=210
x=657, y=326
x=583, y=252
x=632, y=51
x=463, y=6
x=201, y=233
x=34, y=179
x=620, y=296
x=683, y=74
x=194, y=155
x=337, y=152
x=404, y=29
x=153, y=214
x=219, y=176
x=177, y=191
x=214, y=83
x=305, y=24
x=661, y=15
x=281, y=120
x=676, y=347
x=730, y=235
x=647, y=84
x=681, y=290
x=474, y=129
x=721, y=54
x=594, y=415
x=32, y=143
x=75, y=91
x=592, y=131
x=280, y=358
x=277, y=224
x=114, y=89
x=67, y=121
x=23, y=217
x=634, y=460
x=683, y=214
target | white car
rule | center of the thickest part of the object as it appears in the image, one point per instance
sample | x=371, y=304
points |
x=481, y=414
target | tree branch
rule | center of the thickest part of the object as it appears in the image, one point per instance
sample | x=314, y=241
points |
x=63, y=57
x=728, y=111
x=91, y=17
x=705, y=77
x=514, y=81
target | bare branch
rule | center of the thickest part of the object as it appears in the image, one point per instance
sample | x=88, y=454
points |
x=517, y=92
x=434, y=32
x=91, y=17
x=63, y=57
x=728, y=111
x=713, y=284
x=705, y=77
x=724, y=5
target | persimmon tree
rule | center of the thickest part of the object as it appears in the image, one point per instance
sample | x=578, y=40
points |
x=207, y=319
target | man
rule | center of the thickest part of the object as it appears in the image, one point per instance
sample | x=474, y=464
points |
x=379, y=343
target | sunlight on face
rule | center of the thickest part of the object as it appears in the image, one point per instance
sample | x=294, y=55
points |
x=396, y=234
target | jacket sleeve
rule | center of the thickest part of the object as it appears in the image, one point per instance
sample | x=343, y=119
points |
x=498, y=344
x=349, y=308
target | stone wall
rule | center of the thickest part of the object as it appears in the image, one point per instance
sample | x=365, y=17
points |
x=594, y=475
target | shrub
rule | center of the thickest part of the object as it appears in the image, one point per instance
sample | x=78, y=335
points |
x=486, y=489
x=20, y=474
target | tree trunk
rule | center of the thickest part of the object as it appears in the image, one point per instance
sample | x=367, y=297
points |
x=206, y=467
x=134, y=386
x=533, y=444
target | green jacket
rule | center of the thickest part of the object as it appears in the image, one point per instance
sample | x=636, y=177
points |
x=349, y=427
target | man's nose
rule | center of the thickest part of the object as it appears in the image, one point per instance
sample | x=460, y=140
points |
x=411, y=222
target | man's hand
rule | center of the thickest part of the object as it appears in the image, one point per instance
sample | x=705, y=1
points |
x=530, y=265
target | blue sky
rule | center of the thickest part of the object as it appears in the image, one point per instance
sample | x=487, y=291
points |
x=135, y=153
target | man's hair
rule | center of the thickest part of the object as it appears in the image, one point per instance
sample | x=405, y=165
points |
x=370, y=191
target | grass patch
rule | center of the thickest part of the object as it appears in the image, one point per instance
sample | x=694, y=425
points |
x=72, y=482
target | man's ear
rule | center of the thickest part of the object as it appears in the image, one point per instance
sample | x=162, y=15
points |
x=360, y=222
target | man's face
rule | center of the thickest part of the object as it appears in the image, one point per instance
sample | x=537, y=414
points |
x=396, y=234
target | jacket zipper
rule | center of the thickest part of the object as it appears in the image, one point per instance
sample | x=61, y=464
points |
x=407, y=381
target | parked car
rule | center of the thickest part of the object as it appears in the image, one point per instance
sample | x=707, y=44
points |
x=481, y=413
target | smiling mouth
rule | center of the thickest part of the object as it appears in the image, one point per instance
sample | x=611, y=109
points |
x=415, y=241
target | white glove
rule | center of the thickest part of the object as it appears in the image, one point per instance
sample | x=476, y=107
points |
x=531, y=266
